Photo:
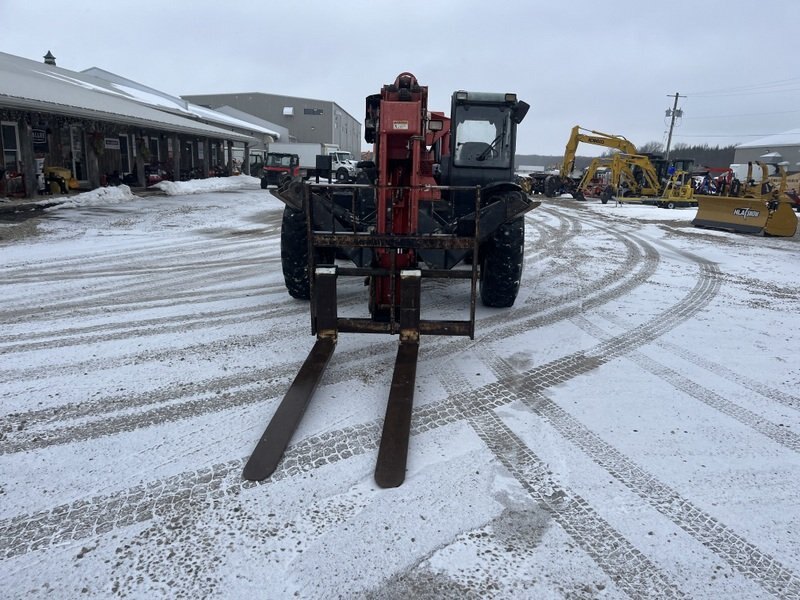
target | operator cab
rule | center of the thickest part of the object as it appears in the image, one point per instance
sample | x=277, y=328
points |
x=482, y=137
x=482, y=141
x=483, y=134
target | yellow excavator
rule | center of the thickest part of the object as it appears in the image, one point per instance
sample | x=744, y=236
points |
x=629, y=173
x=635, y=175
x=564, y=183
x=751, y=206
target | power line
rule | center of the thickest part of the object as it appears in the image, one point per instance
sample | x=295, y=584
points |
x=748, y=87
x=744, y=93
x=782, y=112
x=723, y=135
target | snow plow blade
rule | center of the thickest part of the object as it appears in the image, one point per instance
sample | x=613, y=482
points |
x=746, y=215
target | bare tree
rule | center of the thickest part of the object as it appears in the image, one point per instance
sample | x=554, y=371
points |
x=652, y=148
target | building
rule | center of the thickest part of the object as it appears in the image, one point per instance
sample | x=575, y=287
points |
x=307, y=120
x=93, y=128
x=781, y=147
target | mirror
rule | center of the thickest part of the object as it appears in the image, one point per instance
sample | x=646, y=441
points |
x=519, y=111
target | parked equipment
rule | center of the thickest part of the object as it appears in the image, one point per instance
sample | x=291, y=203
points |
x=565, y=182
x=439, y=201
x=678, y=191
x=279, y=169
x=342, y=165
x=625, y=174
x=753, y=206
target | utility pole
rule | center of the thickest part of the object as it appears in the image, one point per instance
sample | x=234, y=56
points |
x=672, y=113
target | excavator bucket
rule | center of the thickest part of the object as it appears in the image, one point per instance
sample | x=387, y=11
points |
x=746, y=215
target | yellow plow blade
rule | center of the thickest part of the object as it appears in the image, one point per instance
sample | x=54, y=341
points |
x=746, y=215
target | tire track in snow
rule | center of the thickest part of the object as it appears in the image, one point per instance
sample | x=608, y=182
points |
x=780, y=435
x=721, y=370
x=17, y=432
x=131, y=330
x=738, y=552
x=18, y=271
x=101, y=300
x=188, y=264
x=98, y=515
x=627, y=566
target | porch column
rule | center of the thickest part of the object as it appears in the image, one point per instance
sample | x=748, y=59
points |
x=141, y=181
x=176, y=158
x=28, y=159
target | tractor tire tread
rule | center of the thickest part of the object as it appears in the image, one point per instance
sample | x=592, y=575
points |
x=501, y=265
x=294, y=253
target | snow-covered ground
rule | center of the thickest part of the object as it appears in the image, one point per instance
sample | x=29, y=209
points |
x=629, y=428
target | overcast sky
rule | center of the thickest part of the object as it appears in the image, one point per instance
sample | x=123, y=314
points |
x=606, y=66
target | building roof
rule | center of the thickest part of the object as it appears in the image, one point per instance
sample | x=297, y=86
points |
x=31, y=85
x=240, y=114
x=116, y=84
x=787, y=138
x=268, y=95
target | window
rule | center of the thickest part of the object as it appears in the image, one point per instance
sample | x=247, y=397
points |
x=483, y=136
x=10, y=142
x=312, y=111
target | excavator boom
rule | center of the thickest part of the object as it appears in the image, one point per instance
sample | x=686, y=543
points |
x=563, y=182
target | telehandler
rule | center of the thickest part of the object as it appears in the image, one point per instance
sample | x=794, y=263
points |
x=438, y=202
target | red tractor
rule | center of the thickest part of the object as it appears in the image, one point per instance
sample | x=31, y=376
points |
x=279, y=168
x=439, y=201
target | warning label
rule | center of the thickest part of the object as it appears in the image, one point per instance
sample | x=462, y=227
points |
x=399, y=124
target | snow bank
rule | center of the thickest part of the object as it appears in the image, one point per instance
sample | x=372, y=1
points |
x=199, y=186
x=101, y=196
x=113, y=195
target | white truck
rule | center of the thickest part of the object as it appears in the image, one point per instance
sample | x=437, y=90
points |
x=343, y=167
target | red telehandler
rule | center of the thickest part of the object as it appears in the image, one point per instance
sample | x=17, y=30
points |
x=439, y=201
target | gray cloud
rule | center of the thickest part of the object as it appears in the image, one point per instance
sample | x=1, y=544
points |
x=604, y=66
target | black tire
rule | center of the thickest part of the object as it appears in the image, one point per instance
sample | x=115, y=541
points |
x=502, y=258
x=263, y=183
x=551, y=186
x=342, y=176
x=606, y=194
x=670, y=205
x=294, y=253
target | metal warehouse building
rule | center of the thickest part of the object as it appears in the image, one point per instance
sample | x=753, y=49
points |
x=307, y=120
x=786, y=144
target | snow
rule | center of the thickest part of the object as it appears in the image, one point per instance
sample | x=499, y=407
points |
x=199, y=186
x=628, y=429
x=785, y=138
